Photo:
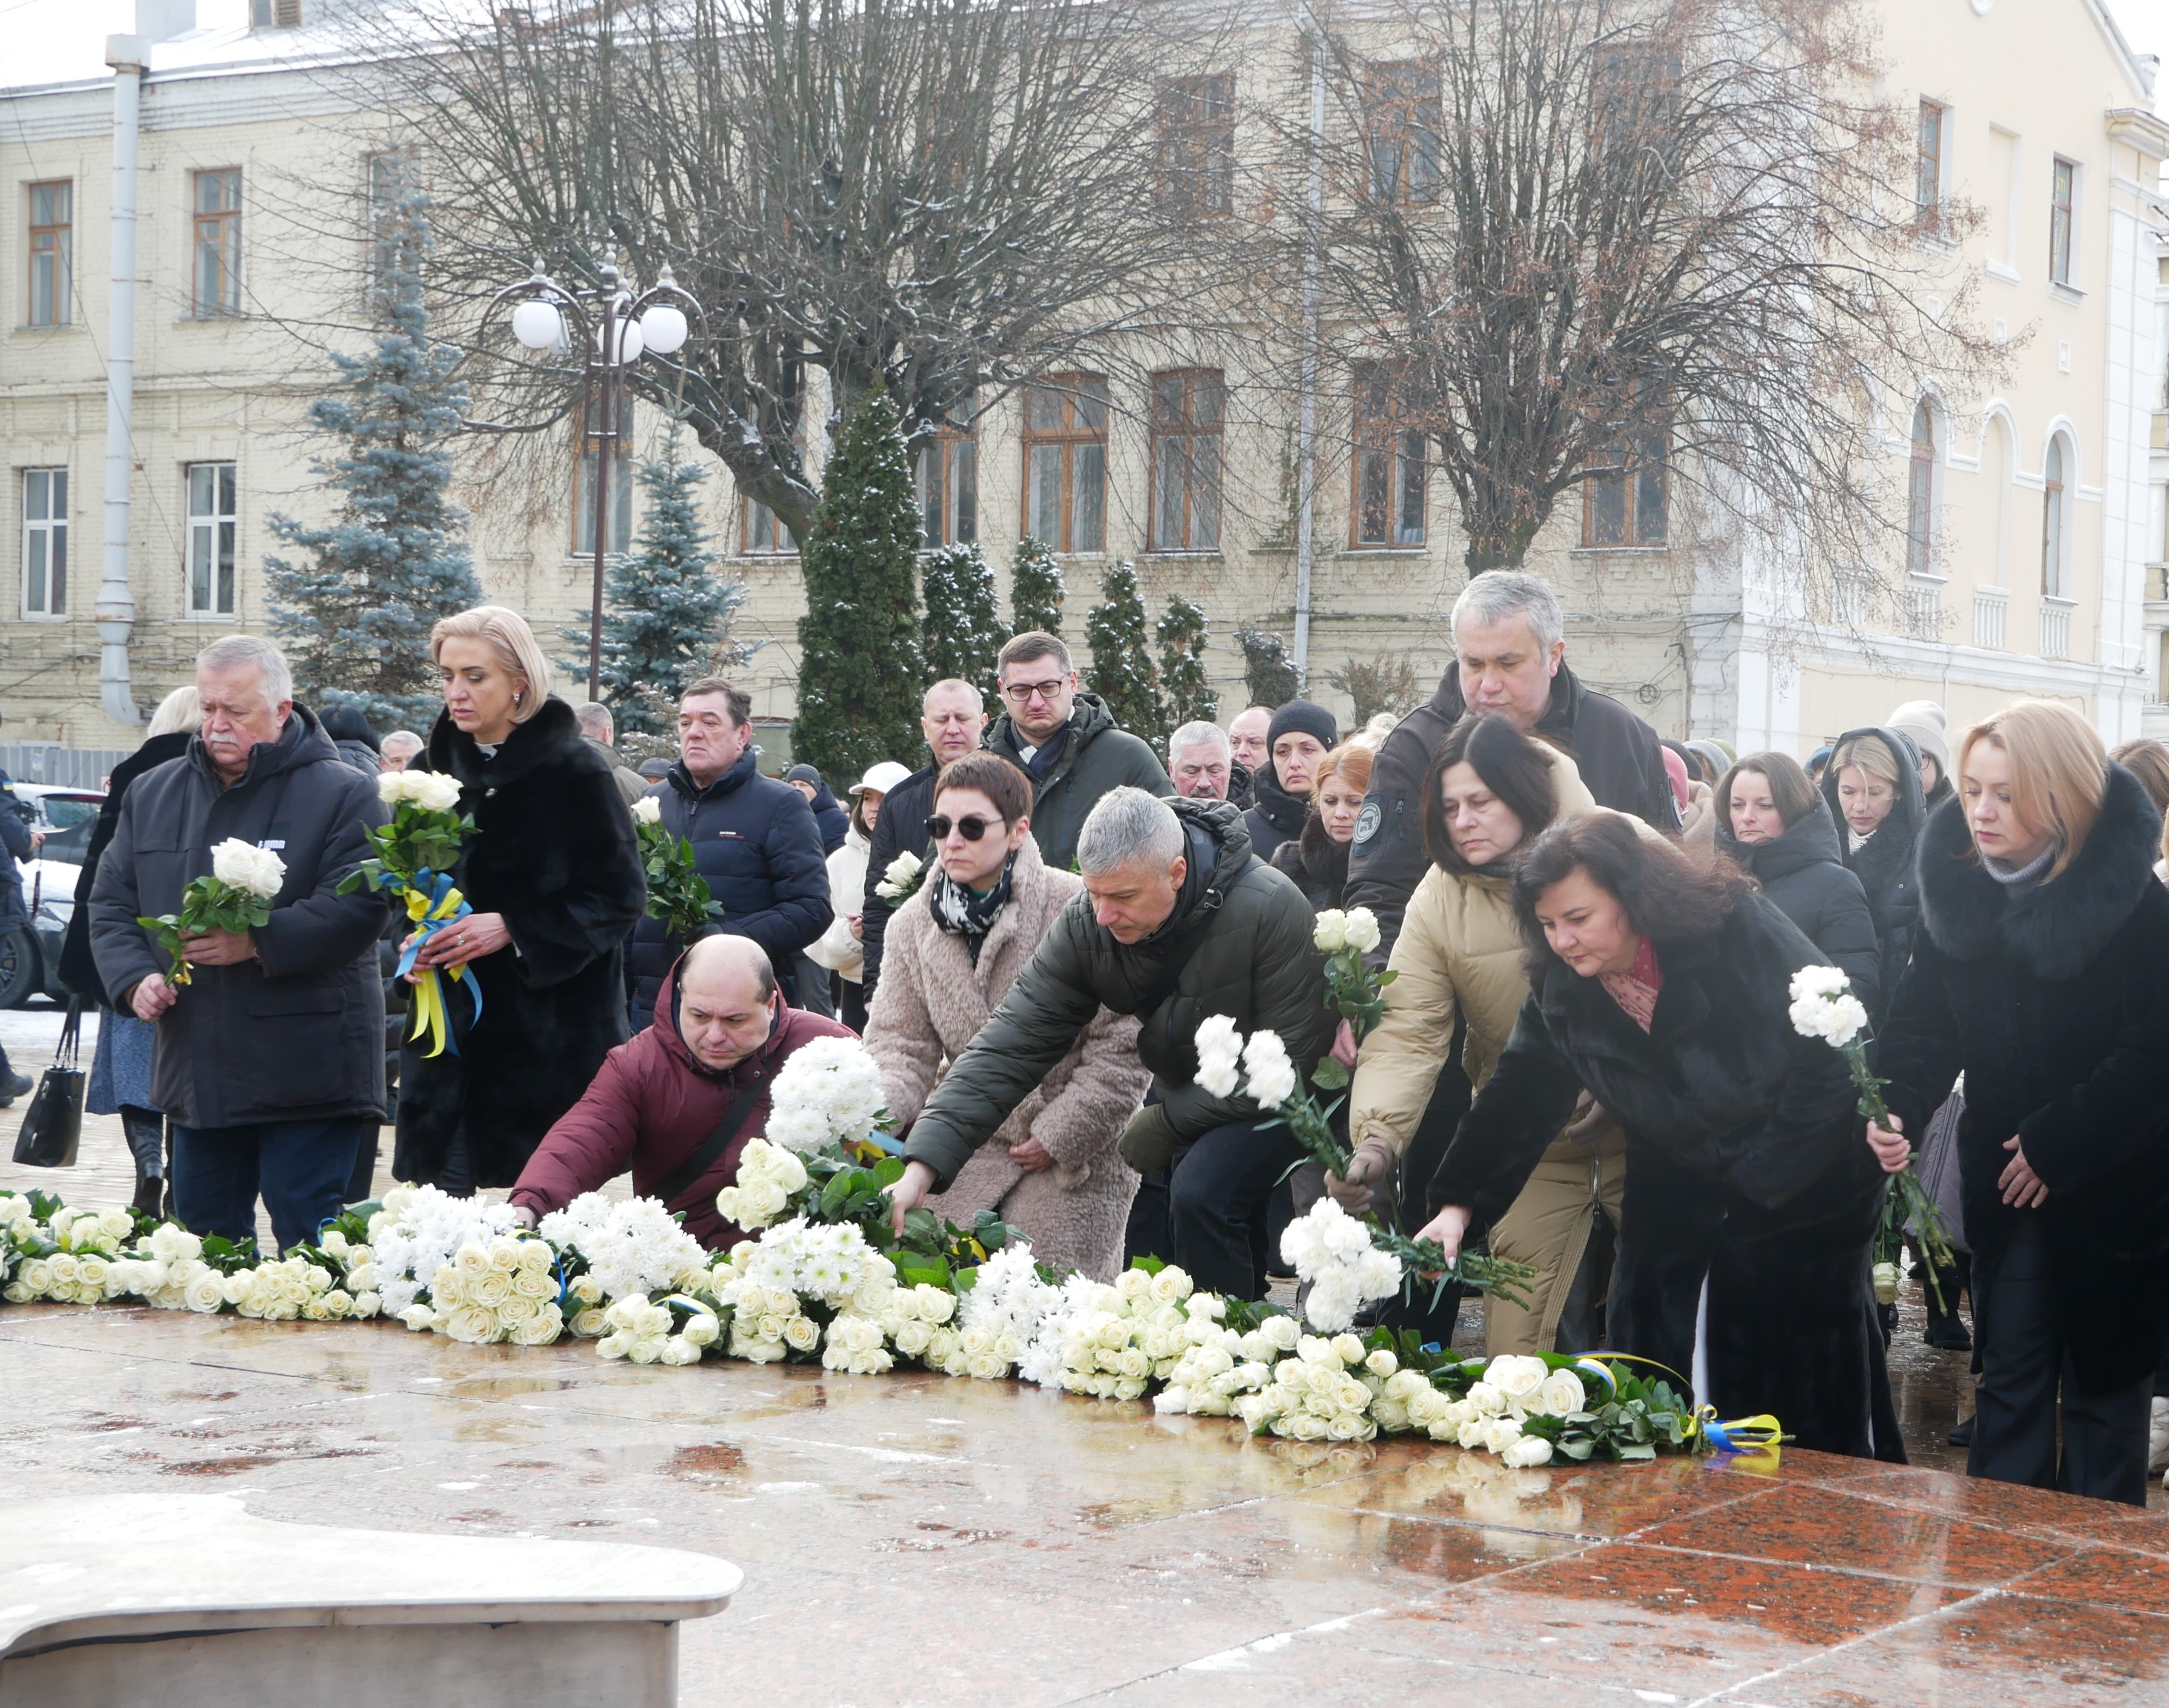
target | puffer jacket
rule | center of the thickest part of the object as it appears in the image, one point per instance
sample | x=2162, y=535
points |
x=934, y=1001
x=1459, y=956
x=1276, y=817
x=1885, y=864
x=1317, y=863
x=1803, y=873
x=1097, y=756
x=1255, y=963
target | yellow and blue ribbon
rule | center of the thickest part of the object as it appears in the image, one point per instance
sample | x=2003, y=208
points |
x=433, y=904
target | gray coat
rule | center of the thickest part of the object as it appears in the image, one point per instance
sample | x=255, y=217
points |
x=298, y=1034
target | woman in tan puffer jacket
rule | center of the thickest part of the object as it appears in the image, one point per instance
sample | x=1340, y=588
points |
x=951, y=954
x=1489, y=790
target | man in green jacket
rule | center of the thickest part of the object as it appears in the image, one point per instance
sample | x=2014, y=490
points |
x=1178, y=922
x=1066, y=743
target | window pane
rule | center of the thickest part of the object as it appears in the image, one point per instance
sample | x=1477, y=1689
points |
x=1207, y=392
x=1167, y=400
x=225, y=474
x=36, y=495
x=201, y=485
x=56, y=600
x=1608, y=511
x=200, y=540
x=964, y=508
x=1373, y=499
x=1205, y=492
x=930, y=495
x=1410, y=528
x=1651, y=502
x=1169, y=482
x=1044, y=496
x=1092, y=405
x=34, y=570
x=58, y=476
x=1043, y=410
x=1089, y=499
x=225, y=565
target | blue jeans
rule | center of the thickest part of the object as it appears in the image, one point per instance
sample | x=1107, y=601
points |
x=301, y=1167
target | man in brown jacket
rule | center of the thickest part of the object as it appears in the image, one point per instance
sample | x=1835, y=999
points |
x=721, y=1029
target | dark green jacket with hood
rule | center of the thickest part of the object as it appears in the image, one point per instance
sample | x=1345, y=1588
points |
x=1254, y=963
x=1096, y=757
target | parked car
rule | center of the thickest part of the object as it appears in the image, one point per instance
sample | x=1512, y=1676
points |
x=30, y=955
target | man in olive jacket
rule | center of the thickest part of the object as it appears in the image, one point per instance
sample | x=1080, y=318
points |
x=269, y=1062
x=1178, y=922
x=1066, y=743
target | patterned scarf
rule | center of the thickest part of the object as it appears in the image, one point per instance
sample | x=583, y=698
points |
x=956, y=909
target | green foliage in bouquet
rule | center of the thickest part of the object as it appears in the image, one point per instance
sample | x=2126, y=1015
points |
x=933, y=1251
x=237, y=896
x=418, y=839
x=677, y=894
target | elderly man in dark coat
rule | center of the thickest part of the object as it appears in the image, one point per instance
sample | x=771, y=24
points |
x=270, y=1061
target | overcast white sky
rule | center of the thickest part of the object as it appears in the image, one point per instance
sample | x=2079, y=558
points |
x=50, y=40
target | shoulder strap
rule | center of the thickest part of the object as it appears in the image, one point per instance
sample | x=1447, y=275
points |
x=64, y=1054
x=689, y=1173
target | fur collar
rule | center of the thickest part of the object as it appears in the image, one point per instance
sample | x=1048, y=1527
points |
x=550, y=738
x=2056, y=929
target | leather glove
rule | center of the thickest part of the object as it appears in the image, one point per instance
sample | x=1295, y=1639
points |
x=1368, y=1170
x=1148, y=1143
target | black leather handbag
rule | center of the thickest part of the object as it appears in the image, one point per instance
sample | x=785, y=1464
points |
x=52, y=1126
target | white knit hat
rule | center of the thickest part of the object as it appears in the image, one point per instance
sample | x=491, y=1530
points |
x=1923, y=720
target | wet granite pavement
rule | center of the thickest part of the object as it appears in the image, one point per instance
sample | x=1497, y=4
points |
x=912, y=1538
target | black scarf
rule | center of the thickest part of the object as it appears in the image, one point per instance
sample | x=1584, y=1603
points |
x=1045, y=756
x=958, y=910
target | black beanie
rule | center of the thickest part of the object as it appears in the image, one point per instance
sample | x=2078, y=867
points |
x=1305, y=716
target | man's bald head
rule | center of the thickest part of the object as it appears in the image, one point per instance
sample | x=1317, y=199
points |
x=726, y=999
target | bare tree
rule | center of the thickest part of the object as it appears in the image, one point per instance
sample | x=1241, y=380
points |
x=1674, y=248
x=941, y=197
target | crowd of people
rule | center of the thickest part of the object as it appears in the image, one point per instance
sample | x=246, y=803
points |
x=1586, y=1057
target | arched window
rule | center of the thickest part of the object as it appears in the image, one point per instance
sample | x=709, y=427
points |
x=1920, y=495
x=2052, y=520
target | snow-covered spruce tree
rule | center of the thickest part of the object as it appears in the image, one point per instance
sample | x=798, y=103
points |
x=666, y=615
x=1122, y=673
x=962, y=632
x=860, y=668
x=1182, y=679
x=1268, y=672
x=1035, y=588
x=353, y=615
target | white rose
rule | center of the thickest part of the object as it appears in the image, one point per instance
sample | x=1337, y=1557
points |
x=1500, y=1433
x=434, y=790
x=418, y=1317
x=1527, y=1450
x=648, y=810
x=393, y=786
x=801, y=1334
x=206, y=1293
x=246, y=866
x=1561, y=1394
x=1331, y=932
x=1362, y=931
x=1515, y=1376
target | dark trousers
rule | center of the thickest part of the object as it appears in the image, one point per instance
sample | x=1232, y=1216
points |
x=852, y=1009
x=2024, y=1364
x=1217, y=1195
x=300, y=1167
x=363, y=1175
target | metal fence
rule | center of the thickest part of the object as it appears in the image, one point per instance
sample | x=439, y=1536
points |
x=68, y=767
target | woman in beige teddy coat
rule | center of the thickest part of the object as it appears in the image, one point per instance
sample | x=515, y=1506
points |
x=951, y=953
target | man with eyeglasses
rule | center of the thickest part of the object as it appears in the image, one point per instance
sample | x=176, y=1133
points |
x=952, y=716
x=1066, y=743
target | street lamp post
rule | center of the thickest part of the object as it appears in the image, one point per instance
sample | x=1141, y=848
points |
x=613, y=328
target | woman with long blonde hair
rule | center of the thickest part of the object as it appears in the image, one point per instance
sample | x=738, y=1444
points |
x=2041, y=971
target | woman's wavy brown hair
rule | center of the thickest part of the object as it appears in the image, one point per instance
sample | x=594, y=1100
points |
x=1666, y=895
x=1514, y=766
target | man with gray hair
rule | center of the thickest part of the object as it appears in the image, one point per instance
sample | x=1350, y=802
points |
x=1199, y=761
x=397, y=751
x=598, y=726
x=269, y=1059
x=1178, y=922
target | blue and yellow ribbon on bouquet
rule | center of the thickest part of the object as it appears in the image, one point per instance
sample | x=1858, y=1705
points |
x=433, y=904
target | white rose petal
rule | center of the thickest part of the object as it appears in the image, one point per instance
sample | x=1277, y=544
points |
x=243, y=864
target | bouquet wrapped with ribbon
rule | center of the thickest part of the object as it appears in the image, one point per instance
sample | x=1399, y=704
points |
x=415, y=854
x=237, y=896
x=677, y=894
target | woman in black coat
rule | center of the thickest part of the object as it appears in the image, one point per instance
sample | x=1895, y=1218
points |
x=1662, y=985
x=2042, y=972
x=1873, y=788
x=554, y=874
x=1773, y=826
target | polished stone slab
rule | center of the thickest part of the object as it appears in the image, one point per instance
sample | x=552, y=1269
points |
x=911, y=1539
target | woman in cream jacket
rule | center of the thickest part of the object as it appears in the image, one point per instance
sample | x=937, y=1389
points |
x=1489, y=790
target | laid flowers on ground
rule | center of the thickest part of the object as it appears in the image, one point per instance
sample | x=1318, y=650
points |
x=828, y=1093
x=769, y=1177
x=417, y=1231
x=629, y=1246
x=504, y=1288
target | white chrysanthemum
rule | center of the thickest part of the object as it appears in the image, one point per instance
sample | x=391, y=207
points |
x=1219, y=1055
x=1272, y=1075
x=245, y=866
x=1333, y=1252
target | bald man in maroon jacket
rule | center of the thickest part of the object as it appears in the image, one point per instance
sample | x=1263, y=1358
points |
x=721, y=1027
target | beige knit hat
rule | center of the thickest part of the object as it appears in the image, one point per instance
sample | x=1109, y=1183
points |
x=1923, y=720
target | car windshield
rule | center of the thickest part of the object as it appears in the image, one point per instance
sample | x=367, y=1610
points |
x=65, y=812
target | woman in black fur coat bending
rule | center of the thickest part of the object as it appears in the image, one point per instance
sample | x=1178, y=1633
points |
x=554, y=874
x=1662, y=985
x=2042, y=970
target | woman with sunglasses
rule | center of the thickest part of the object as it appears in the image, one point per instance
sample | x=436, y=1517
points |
x=951, y=953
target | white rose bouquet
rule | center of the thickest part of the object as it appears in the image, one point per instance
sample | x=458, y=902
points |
x=900, y=878
x=237, y=896
x=828, y=1094
x=628, y=1247
x=1354, y=990
x=415, y=855
x=1823, y=1006
x=677, y=894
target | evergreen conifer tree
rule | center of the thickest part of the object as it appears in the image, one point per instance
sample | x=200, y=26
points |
x=666, y=615
x=1268, y=672
x=962, y=633
x=353, y=616
x=1035, y=588
x=1182, y=679
x=1122, y=673
x=860, y=668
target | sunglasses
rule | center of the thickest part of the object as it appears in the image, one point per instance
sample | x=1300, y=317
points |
x=971, y=824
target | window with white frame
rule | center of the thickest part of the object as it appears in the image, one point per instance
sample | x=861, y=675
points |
x=214, y=515
x=2063, y=218
x=1929, y=180
x=44, y=541
x=2054, y=521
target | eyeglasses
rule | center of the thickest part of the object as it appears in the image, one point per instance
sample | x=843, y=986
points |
x=971, y=825
x=1021, y=692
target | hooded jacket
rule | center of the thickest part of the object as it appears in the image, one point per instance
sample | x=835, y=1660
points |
x=934, y=1001
x=1275, y=816
x=1253, y=962
x=1883, y=864
x=554, y=852
x=1097, y=756
x=78, y=968
x=834, y=822
x=297, y=1034
x=1616, y=752
x=2055, y=1006
x=1316, y=863
x=1803, y=873
x=650, y=1106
